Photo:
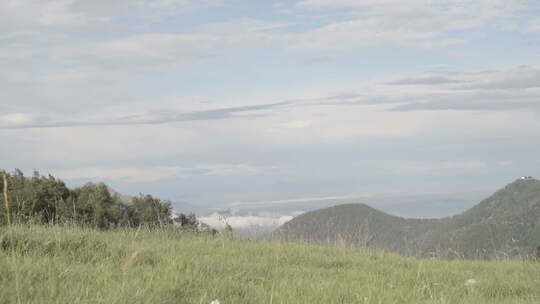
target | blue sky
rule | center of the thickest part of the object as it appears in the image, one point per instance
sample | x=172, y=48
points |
x=271, y=108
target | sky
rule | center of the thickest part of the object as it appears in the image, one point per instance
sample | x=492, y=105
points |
x=262, y=110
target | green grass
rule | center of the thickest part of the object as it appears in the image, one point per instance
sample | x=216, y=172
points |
x=74, y=265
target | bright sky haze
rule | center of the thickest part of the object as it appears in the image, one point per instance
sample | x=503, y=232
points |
x=272, y=108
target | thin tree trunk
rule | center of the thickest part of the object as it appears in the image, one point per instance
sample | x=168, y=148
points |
x=6, y=199
x=74, y=217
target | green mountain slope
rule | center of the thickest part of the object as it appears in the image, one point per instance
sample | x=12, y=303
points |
x=357, y=225
x=507, y=223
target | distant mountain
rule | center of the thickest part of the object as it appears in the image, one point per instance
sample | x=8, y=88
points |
x=507, y=223
x=357, y=225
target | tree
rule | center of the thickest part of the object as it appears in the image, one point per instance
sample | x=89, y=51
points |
x=93, y=205
x=6, y=198
x=47, y=200
x=151, y=211
x=189, y=222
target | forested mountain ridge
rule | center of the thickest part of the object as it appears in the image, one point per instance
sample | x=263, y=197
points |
x=507, y=223
x=356, y=225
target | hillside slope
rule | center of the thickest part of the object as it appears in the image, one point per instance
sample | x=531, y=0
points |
x=73, y=265
x=356, y=225
x=507, y=223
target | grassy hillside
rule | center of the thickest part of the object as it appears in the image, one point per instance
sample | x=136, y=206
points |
x=73, y=265
x=507, y=223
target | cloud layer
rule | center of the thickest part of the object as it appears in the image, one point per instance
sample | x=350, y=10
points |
x=217, y=103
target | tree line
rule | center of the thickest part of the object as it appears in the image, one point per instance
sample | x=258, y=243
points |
x=47, y=200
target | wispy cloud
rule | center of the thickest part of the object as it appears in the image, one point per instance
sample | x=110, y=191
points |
x=68, y=14
x=148, y=51
x=160, y=173
x=26, y=121
x=426, y=80
x=413, y=23
x=471, y=102
x=508, y=89
x=292, y=201
x=484, y=90
x=437, y=167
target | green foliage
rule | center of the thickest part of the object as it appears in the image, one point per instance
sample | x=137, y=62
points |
x=190, y=222
x=152, y=211
x=38, y=199
x=506, y=224
x=94, y=206
x=77, y=265
x=47, y=200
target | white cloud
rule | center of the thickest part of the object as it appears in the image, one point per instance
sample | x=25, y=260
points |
x=437, y=167
x=146, y=117
x=160, y=173
x=418, y=24
x=244, y=222
x=48, y=13
x=485, y=90
x=234, y=170
x=151, y=174
x=16, y=119
x=516, y=88
x=66, y=14
x=411, y=23
x=295, y=124
x=523, y=77
x=322, y=59
x=141, y=51
x=160, y=50
x=242, y=26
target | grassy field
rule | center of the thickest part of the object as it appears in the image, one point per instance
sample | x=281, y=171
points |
x=74, y=265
